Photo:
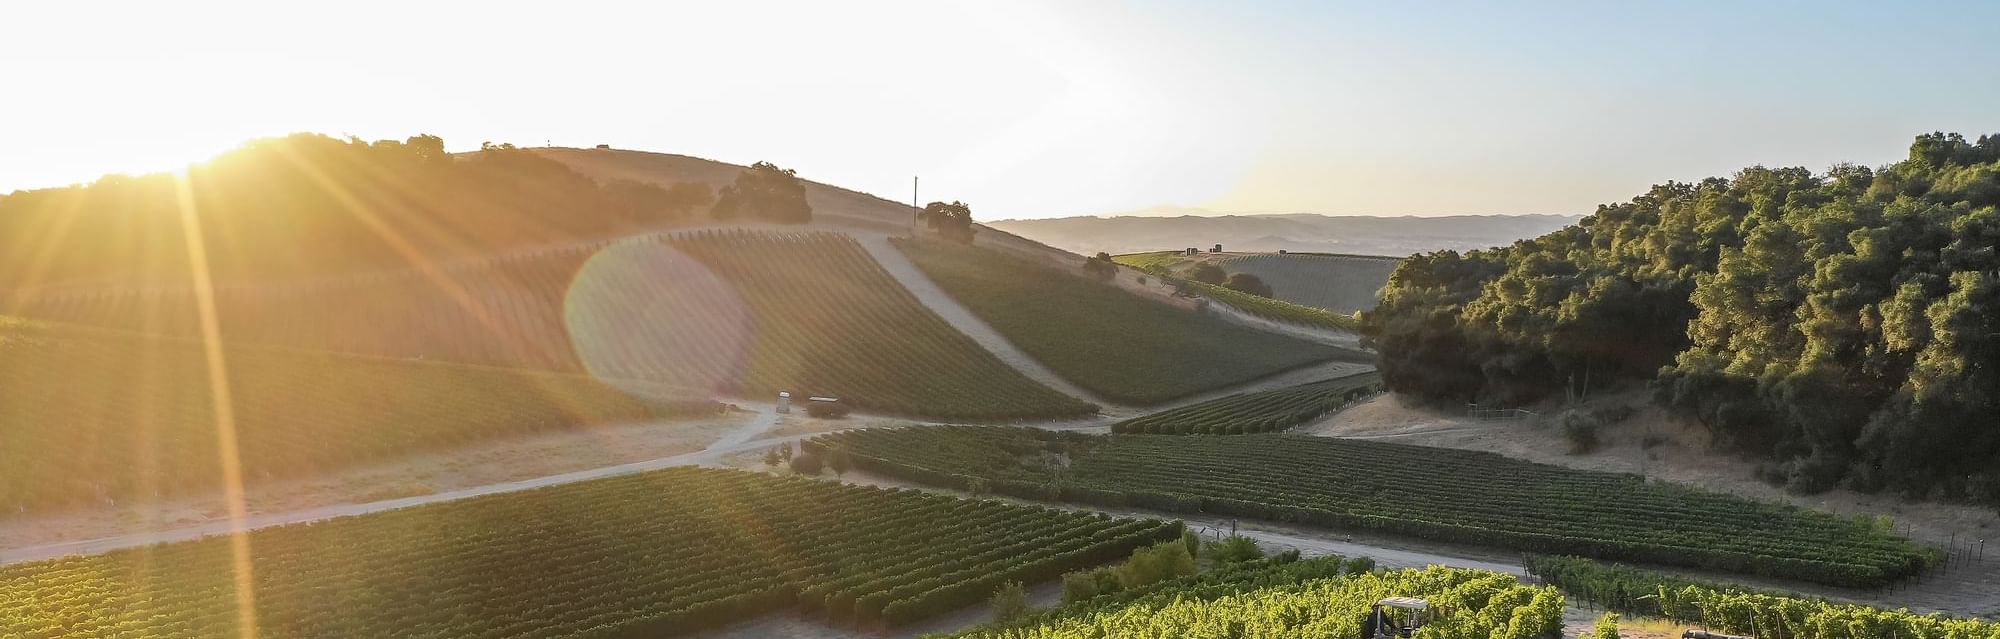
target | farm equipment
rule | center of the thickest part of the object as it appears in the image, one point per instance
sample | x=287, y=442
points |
x=1395, y=617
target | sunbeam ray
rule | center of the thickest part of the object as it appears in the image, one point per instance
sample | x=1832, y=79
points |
x=225, y=416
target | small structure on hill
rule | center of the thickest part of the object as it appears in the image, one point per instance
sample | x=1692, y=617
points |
x=1217, y=249
x=1191, y=252
x=605, y=147
x=784, y=402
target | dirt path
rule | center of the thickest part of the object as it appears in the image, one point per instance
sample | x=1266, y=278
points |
x=945, y=306
x=737, y=438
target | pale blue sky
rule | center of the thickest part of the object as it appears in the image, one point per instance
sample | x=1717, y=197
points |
x=1032, y=109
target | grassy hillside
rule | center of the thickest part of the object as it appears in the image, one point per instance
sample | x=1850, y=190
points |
x=1447, y=495
x=1105, y=339
x=831, y=205
x=655, y=554
x=1339, y=283
x=1157, y=261
x=745, y=313
x=307, y=205
x=92, y=414
x=1739, y=610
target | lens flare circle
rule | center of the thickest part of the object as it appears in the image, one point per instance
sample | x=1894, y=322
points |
x=650, y=320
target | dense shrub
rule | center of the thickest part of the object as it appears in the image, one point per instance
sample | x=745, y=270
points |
x=764, y=193
x=1010, y=602
x=1846, y=323
x=806, y=464
x=1235, y=549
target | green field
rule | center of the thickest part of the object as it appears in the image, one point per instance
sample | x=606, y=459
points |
x=1260, y=412
x=1293, y=600
x=1342, y=284
x=660, y=553
x=1167, y=265
x=1738, y=610
x=93, y=415
x=1114, y=343
x=741, y=313
x=1447, y=495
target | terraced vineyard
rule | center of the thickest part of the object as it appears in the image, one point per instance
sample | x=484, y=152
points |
x=1114, y=343
x=94, y=414
x=654, y=554
x=1447, y=495
x=1743, y=611
x=1268, y=308
x=1269, y=602
x=740, y=312
x=1260, y=412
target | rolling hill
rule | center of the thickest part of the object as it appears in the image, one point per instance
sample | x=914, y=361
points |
x=743, y=313
x=1296, y=232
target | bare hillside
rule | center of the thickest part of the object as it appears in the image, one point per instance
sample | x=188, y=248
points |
x=832, y=205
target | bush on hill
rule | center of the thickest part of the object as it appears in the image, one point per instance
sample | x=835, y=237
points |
x=1247, y=283
x=951, y=221
x=764, y=193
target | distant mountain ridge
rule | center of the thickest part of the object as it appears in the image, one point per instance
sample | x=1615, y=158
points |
x=1303, y=232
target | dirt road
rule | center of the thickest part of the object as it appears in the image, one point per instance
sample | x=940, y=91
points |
x=945, y=306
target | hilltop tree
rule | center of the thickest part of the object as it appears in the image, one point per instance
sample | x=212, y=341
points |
x=951, y=221
x=1247, y=283
x=1100, y=266
x=764, y=193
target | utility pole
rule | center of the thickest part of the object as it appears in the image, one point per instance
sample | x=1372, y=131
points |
x=914, y=205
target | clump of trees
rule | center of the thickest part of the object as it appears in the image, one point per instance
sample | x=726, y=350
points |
x=1207, y=273
x=764, y=193
x=1235, y=549
x=1010, y=602
x=1148, y=565
x=1846, y=325
x=1247, y=283
x=951, y=221
x=1100, y=266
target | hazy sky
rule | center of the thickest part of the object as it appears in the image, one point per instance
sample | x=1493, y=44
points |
x=1030, y=109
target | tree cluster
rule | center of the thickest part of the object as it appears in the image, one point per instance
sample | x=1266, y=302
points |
x=1842, y=324
x=1100, y=266
x=308, y=205
x=951, y=221
x=1247, y=283
x=764, y=193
